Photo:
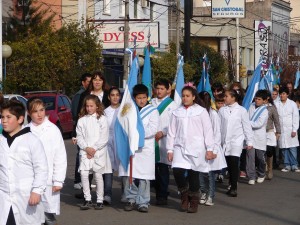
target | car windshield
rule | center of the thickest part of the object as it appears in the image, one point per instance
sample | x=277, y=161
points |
x=49, y=102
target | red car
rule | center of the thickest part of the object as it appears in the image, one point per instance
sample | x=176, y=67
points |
x=58, y=109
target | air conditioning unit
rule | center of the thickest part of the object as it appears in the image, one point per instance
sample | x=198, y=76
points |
x=145, y=3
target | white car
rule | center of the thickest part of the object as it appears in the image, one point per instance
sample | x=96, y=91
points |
x=21, y=99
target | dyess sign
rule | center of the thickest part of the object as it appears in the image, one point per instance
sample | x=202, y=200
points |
x=112, y=35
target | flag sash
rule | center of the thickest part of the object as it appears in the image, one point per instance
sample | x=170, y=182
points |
x=161, y=108
x=257, y=113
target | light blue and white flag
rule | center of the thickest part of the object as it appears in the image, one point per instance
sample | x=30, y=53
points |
x=129, y=129
x=253, y=86
x=179, y=81
x=297, y=79
x=146, y=79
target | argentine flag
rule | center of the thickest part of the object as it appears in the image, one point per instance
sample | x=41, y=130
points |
x=146, y=79
x=179, y=81
x=253, y=87
x=297, y=79
x=129, y=129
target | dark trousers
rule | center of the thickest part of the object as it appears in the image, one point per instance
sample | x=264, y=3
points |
x=243, y=160
x=108, y=180
x=11, y=218
x=233, y=170
x=77, y=174
x=186, y=178
x=162, y=175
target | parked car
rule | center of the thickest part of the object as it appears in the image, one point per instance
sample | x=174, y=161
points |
x=58, y=108
x=21, y=99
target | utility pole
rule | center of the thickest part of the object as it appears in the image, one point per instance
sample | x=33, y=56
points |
x=237, y=49
x=188, y=9
x=126, y=38
x=178, y=25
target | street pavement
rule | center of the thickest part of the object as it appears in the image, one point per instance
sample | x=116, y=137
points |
x=275, y=202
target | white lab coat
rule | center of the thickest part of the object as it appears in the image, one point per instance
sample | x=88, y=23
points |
x=111, y=115
x=235, y=128
x=143, y=160
x=190, y=135
x=219, y=162
x=23, y=169
x=93, y=132
x=259, y=128
x=55, y=150
x=164, y=120
x=289, y=122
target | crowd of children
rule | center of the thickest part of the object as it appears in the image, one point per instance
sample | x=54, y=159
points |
x=199, y=139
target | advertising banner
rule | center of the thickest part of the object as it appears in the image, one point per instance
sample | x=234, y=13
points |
x=112, y=35
x=228, y=9
x=261, y=41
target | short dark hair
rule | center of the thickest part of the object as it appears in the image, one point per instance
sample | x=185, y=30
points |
x=217, y=87
x=262, y=94
x=284, y=89
x=140, y=89
x=220, y=97
x=163, y=82
x=15, y=107
x=85, y=76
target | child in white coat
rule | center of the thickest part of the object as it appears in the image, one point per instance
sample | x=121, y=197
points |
x=207, y=180
x=143, y=160
x=92, y=136
x=23, y=169
x=258, y=115
x=111, y=113
x=289, y=122
x=235, y=128
x=55, y=151
x=190, y=145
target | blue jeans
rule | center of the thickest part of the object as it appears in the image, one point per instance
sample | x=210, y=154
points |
x=161, y=180
x=207, y=183
x=108, y=180
x=290, y=158
x=138, y=192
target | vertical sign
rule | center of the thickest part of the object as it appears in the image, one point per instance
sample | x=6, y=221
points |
x=261, y=42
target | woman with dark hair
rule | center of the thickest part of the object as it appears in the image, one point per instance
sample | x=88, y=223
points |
x=96, y=87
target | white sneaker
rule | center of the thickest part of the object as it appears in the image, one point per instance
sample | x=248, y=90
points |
x=209, y=202
x=285, y=170
x=78, y=186
x=203, y=198
x=251, y=182
x=297, y=170
x=260, y=180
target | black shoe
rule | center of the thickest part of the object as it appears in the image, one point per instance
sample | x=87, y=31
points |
x=232, y=193
x=143, y=209
x=129, y=206
x=161, y=202
x=99, y=206
x=79, y=196
x=86, y=205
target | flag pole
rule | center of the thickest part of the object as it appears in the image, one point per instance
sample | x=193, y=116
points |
x=131, y=157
